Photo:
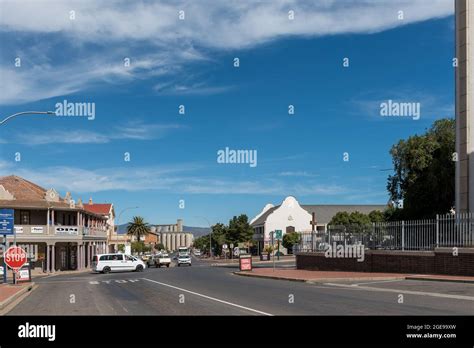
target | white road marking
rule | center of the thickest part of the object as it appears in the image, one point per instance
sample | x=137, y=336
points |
x=209, y=297
x=398, y=291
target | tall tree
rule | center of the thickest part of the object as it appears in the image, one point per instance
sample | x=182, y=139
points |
x=424, y=172
x=138, y=227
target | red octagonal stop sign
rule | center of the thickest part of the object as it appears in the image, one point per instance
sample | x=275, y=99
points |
x=15, y=257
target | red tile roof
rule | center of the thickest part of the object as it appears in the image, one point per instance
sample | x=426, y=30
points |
x=99, y=208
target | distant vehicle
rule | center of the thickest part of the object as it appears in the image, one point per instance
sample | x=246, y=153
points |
x=146, y=257
x=183, y=251
x=197, y=252
x=159, y=260
x=184, y=260
x=106, y=263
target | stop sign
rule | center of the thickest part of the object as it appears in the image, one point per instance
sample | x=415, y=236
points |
x=15, y=257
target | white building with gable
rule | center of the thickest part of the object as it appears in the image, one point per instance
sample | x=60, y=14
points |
x=290, y=216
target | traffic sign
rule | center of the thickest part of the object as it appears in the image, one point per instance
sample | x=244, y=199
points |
x=6, y=221
x=15, y=257
x=224, y=246
x=278, y=234
x=231, y=245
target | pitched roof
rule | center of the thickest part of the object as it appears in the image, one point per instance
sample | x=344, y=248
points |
x=99, y=208
x=324, y=213
x=29, y=195
x=21, y=189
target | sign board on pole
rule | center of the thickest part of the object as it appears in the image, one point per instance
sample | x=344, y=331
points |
x=245, y=262
x=278, y=234
x=15, y=257
x=24, y=273
x=6, y=221
x=224, y=246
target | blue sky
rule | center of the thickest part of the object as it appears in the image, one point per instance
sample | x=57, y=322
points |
x=190, y=63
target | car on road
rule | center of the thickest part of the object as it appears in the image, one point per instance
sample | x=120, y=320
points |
x=197, y=252
x=106, y=263
x=184, y=260
x=159, y=260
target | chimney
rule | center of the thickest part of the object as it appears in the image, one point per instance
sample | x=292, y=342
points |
x=90, y=201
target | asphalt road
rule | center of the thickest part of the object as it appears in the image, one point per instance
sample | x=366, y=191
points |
x=205, y=290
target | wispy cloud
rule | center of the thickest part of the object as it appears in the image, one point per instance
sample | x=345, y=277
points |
x=139, y=29
x=130, y=131
x=178, y=178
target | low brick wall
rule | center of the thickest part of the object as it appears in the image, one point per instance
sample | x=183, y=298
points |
x=440, y=261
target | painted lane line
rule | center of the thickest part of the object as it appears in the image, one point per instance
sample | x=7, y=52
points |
x=398, y=291
x=209, y=297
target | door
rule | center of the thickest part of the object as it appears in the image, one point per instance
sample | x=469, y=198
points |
x=130, y=263
x=117, y=263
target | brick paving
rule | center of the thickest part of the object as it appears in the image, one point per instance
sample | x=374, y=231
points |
x=8, y=290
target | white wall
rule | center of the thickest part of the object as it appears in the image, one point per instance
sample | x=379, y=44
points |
x=290, y=213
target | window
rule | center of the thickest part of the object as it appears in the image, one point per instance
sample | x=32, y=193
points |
x=24, y=217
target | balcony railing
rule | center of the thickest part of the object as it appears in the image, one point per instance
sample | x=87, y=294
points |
x=57, y=230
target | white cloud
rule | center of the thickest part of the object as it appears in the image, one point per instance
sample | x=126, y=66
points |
x=131, y=131
x=179, y=178
x=102, y=33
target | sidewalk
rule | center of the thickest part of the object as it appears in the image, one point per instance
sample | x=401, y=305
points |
x=325, y=276
x=9, y=293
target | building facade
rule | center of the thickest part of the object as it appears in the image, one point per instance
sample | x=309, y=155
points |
x=57, y=233
x=290, y=216
x=464, y=12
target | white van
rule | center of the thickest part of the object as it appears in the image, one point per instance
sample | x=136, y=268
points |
x=106, y=263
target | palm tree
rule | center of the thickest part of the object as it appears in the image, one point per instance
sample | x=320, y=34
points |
x=138, y=227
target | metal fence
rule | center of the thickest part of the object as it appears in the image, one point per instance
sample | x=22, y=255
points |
x=444, y=231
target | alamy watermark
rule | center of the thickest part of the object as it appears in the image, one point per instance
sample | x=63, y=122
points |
x=354, y=251
x=237, y=157
x=392, y=108
x=68, y=109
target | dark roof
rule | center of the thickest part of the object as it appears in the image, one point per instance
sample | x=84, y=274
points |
x=324, y=213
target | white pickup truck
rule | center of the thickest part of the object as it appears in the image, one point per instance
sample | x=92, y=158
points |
x=159, y=260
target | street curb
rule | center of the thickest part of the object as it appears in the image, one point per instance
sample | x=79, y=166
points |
x=324, y=280
x=441, y=280
x=16, y=295
x=268, y=277
x=316, y=281
x=253, y=263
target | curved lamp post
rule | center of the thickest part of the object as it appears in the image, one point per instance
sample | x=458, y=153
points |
x=210, y=234
x=24, y=113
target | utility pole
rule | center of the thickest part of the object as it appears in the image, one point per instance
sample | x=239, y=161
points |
x=313, y=224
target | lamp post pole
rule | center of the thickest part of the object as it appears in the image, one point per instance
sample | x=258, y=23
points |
x=24, y=113
x=210, y=234
x=120, y=214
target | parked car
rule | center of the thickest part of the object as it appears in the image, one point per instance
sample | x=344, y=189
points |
x=184, y=260
x=197, y=252
x=106, y=263
x=159, y=260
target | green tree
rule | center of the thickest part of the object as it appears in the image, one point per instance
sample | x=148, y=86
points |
x=341, y=218
x=290, y=239
x=424, y=171
x=239, y=230
x=159, y=246
x=138, y=227
x=377, y=216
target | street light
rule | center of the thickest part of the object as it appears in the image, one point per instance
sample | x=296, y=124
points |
x=121, y=212
x=27, y=113
x=210, y=234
